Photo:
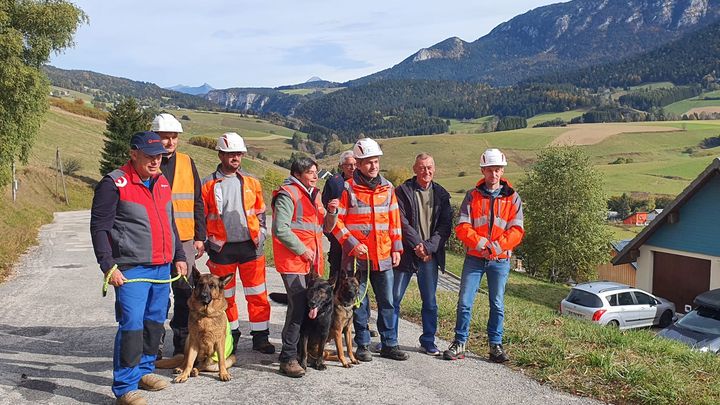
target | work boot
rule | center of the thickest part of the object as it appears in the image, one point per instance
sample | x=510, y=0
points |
x=235, y=333
x=497, y=354
x=292, y=369
x=363, y=353
x=455, y=351
x=152, y=382
x=393, y=352
x=131, y=398
x=261, y=342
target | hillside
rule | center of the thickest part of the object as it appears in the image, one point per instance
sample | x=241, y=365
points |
x=110, y=89
x=692, y=59
x=557, y=37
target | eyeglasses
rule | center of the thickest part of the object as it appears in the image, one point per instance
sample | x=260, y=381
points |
x=348, y=165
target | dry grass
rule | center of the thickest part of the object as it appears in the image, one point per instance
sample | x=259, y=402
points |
x=591, y=134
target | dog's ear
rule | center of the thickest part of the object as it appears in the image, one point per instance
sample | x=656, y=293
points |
x=225, y=280
x=195, y=273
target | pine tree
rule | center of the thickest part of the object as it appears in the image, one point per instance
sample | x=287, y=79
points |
x=124, y=120
x=565, y=211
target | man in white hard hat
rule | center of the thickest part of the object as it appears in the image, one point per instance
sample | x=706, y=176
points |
x=235, y=218
x=369, y=230
x=490, y=225
x=180, y=171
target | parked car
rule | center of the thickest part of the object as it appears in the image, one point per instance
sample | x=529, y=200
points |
x=617, y=305
x=700, y=328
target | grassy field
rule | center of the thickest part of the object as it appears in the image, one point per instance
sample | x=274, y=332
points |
x=622, y=367
x=566, y=116
x=73, y=94
x=683, y=106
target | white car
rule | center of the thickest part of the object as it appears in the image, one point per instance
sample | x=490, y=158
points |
x=617, y=305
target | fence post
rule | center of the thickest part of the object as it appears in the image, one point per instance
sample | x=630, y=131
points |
x=14, y=183
x=62, y=176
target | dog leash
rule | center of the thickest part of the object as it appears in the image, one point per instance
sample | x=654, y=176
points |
x=138, y=280
x=359, y=301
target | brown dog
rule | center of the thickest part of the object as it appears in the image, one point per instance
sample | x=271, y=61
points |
x=207, y=330
x=346, y=293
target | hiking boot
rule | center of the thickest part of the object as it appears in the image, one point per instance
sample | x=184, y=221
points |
x=152, y=382
x=455, y=351
x=363, y=353
x=430, y=350
x=261, y=342
x=393, y=352
x=292, y=369
x=235, y=333
x=497, y=354
x=131, y=398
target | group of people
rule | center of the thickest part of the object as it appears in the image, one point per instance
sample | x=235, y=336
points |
x=154, y=216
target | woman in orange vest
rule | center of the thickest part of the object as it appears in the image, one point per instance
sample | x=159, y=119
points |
x=299, y=219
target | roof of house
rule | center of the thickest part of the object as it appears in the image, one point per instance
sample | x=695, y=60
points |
x=630, y=252
x=634, y=213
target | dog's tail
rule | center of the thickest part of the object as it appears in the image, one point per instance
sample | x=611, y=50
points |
x=176, y=361
x=280, y=298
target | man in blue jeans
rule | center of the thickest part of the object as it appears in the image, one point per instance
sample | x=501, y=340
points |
x=490, y=225
x=426, y=217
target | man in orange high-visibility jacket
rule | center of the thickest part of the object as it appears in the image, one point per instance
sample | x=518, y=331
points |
x=298, y=221
x=235, y=218
x=181, y=173
x=490, y=225
x=370, y=232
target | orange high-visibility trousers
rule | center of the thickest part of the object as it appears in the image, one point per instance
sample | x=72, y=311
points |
x=252, y=277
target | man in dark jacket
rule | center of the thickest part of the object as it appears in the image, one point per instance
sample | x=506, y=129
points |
x=333, y=189
x=426, y=218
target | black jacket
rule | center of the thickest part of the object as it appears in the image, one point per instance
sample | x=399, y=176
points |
x=440, y=228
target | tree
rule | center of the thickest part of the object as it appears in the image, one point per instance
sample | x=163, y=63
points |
x=564, y=216
x=30, y=30
x=124, y=120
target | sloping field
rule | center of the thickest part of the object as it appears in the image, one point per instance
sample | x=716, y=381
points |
x=590, y=134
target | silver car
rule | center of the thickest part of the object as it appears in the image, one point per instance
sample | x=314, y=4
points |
x=617, y=305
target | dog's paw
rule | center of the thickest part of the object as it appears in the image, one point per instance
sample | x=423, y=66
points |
x=355, y=361
x=225, y=376
x=195, y=372
x=181, y=378
x=347, y=365
x=321, y=367
x=177, y=370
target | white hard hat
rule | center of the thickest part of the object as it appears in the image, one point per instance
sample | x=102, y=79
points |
x=231, y=142
x=166, y=123
x=365, y=148
x=493, y=157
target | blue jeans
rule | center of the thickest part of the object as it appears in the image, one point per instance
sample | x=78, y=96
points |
x=427, y=278
x=497, y=273
x=382, y=284
x=140, y=309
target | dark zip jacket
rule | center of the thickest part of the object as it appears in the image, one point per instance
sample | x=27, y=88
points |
x=409, y=216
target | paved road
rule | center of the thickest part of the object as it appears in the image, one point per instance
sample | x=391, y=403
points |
x=56, y=334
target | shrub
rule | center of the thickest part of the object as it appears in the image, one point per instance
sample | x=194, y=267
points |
x=203, y=141
x=71, y=166
x=185, y=117
x=462, y=174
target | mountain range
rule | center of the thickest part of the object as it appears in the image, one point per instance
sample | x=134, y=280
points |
x=196, y=91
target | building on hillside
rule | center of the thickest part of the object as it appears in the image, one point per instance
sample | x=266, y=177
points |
x=678, y=254
x=622, y=273
x=654, y=213
x=636, y=218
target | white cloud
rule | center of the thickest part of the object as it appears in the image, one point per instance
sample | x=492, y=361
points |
x=243, y=44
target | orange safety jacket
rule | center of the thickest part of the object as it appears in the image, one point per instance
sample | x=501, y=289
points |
x=253, y=203
x=370, y=217
x=183, y=197
x=490, y=227
x=307, y=225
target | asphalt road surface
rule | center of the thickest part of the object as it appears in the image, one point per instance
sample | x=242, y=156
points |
x=57, y=332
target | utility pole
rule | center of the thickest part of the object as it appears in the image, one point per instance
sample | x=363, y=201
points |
x=62, y=175
x=14, y=183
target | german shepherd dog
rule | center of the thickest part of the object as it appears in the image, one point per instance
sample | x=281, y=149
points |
x=347, y=289
x=207, y=330
x=316, y=326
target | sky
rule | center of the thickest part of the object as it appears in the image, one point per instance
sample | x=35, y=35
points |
x=239, y=43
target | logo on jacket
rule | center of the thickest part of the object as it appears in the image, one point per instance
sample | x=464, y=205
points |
x=121, y=182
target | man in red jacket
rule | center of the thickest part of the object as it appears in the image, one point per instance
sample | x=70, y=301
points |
x=134, y=236
x=490, y=225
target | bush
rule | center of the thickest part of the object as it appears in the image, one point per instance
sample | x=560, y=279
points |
x=71, y=166
x=462, y=174
x=203, y=141
x=185, y=117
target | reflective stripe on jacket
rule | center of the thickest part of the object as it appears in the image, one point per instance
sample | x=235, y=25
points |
x=142, y=232
x=371, y=217
x=253, y=204
x=491, y=227
x=183, y=197
x=307, y=225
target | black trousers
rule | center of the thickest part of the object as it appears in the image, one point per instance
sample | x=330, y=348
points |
x=296, y=287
